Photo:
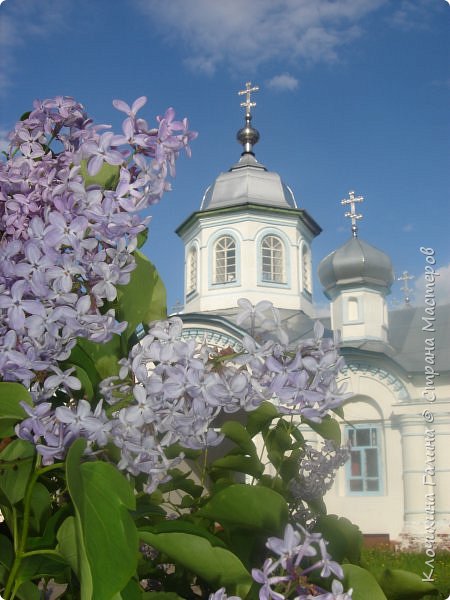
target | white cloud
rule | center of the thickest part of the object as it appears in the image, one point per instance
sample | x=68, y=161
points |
x=413, y=14
x=408, y=227
x=244, y=35
x=24, y=20
x=441, y=288
x=283, y=82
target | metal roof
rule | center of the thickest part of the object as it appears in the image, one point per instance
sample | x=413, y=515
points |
x=248, y=181
x=355, y=263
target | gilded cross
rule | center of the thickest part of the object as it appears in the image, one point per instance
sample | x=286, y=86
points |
x=352, y=214
x=405, y=277
x=248, y=104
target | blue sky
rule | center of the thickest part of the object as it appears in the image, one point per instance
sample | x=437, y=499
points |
x=354, y=94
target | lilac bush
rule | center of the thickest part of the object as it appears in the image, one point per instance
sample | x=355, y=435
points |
x=70, y=196
x=114, y=482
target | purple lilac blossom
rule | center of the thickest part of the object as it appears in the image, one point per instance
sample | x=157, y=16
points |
x=299, y=554
x=170, y=390
x=65, y=245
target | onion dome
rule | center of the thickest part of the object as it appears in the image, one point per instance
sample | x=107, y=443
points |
x=355, y=264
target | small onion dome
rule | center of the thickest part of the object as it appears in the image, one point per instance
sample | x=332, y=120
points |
x=355, y=264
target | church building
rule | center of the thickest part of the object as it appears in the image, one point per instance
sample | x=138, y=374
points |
x=250, y=239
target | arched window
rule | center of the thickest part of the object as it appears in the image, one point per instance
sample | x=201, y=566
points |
x=306, y=269
x=192, y=271
x=352, y=309
x=224, y=260
x=272, y=259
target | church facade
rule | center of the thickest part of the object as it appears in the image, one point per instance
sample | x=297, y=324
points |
x=250, y=239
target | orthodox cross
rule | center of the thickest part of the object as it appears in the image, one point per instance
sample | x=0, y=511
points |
x=352, y=214
x=405, y=289
x=248, y=104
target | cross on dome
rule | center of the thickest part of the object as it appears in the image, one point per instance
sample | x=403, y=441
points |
x=405, y=277
x=352, y=214
x=248, y=135
x=248, y=104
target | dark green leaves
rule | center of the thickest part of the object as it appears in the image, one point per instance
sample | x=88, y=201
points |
x=16, y=465
x=105, y=534
x=11, y=412
x=403, y=585
x=364, y=584
x=144, y=299
x=214, y=564
x=345, y=539
x=248, y=506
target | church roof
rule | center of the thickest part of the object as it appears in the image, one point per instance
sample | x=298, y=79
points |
x=356, y=263
x=248, y=181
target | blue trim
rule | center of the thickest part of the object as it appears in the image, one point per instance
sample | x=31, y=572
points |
x=364, y=478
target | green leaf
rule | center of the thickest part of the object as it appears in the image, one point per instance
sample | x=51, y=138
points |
x=28, y=591
x=160, y=596
x=132, y=591
x=236, y=432
x=261, y=418
x=40, y=505
x=16, y=465
x=345, y=539
x=253, y=507
x=143, y=299
x=290, y=466
x=107, y=178
x=11, y=394
x=398, y=584
x=214, y=564
x=105, y=357
x=104, y=527
x=41, y=565
x=180, y=526
x=364, y=584
x=240, y=463
x=6, y=552
x=67, y=544
x=329, y=429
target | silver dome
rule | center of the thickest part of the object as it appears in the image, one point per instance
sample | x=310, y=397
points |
x=356, y=263
x=248, y=181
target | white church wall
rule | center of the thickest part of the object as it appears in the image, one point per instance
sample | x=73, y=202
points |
x=247, y=230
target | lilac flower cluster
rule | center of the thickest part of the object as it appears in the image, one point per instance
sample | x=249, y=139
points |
x=170, y=390
x=317, y=469
x=299, y=553
x=68, y=231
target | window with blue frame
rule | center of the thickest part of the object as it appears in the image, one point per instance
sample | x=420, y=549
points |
x=272, y=259
x=224, y=260
x=363, y=469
